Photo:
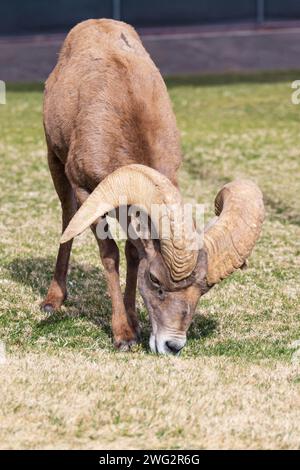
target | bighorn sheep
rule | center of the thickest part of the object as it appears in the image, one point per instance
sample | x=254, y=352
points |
x=110, y=130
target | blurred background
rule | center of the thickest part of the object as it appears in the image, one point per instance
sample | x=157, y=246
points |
x=60, y=15
x=183, y=36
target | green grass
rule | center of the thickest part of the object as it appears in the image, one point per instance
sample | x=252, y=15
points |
x=231, y=126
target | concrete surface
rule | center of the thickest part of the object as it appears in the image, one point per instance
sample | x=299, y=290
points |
x=176, y=51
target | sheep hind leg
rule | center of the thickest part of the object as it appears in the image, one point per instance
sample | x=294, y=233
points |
x=57, y=291
x=132, y=259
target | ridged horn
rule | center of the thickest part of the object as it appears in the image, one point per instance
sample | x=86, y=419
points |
x=231, y=238
x=143, y=186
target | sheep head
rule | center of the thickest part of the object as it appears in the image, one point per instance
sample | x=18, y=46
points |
x=176, y=269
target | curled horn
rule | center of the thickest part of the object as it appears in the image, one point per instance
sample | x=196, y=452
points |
x=143, y=186
x=231, y=238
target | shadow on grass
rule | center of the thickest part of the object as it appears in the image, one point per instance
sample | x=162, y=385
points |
x=87, y=299
x=282, y=212
x=202, y=327
x=198, y=169
x=87, y=296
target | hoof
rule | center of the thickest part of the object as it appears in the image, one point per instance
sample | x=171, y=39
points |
x=125, y=345
x=47, y=308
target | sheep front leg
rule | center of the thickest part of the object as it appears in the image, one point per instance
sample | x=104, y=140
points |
x=124, y=331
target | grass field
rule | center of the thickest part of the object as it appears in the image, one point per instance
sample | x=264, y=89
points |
x=237, y=384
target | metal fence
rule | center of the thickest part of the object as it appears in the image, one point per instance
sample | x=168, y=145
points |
x=20, y=16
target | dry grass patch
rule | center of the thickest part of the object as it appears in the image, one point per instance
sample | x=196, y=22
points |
x=103, y=401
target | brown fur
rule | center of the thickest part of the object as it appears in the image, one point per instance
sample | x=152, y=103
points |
x=105, y=106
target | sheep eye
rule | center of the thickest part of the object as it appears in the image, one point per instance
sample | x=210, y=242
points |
x=154, y=279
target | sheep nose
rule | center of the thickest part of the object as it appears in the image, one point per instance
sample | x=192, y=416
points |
x=174, y=347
